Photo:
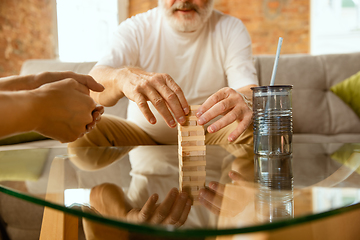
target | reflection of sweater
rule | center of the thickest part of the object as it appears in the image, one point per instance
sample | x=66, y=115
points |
x=202, y=62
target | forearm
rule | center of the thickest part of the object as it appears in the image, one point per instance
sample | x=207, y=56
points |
x=16, y=111
x=109, y=77
x=17, y=83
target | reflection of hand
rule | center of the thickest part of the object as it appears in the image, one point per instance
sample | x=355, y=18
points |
x=229, y=200
x=174, y=210
x=109, y=200
x=232, y=105
x=158, y=88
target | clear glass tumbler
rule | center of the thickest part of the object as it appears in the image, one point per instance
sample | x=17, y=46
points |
x=272, y=119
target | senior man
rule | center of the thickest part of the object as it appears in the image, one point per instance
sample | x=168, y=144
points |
x=179, y=54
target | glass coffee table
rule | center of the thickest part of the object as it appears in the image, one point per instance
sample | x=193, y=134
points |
x=101, y=185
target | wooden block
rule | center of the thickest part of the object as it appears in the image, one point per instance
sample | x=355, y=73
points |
x=192, y=148
x=194, y=185
x=197, y=179
x=192, y=168
x=190, y=128
x=194, y=107
x=195, y=193
x=192, y=143
x=189, y=189
x=188, y=159
x=184, y=134
x=185, y=179
x=196, y=133
x=192, y=138
x=190, y=123
x=192, y=163
x=192, y=173
x=191, y=118
x=192, y=113
x=192, y=153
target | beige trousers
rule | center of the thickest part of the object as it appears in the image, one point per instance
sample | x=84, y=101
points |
x=115, y=131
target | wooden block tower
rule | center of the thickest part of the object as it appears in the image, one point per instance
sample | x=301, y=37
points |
x=192, y=156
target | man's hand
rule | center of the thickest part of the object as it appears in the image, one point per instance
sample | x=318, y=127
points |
x=174, y=210
x=158, y=88
x=232, y=105
x=140, y=86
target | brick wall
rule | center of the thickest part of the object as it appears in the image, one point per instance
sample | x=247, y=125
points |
x=25, y=33
x=266, y=21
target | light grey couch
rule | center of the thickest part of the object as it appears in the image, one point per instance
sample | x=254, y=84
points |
x=318, y=115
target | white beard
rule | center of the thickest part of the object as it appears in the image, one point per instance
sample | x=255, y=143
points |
x=186, y=23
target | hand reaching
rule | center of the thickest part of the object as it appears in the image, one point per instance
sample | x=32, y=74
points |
x=232, y=105
x=158, y=88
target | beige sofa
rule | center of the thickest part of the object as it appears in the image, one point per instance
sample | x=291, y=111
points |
x=318, y=115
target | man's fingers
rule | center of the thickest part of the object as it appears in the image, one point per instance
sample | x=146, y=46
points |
x=165, y=207
x=213, y=197
x=218, y=188
x=144, y=108
x=211, y=101
x=241, y=127
x=177, y=209
x=185, y=213
x=148, y=209
x=235, y=176
x=161, y=106
x=207, y=199
x=179, y=93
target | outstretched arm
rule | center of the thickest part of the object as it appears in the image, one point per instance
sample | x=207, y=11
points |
x=60, y=109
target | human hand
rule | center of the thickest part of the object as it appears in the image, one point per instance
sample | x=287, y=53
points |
x=232, y=105
x=49, y=77
x=229, y=199
x=63, y=109
x=96, y=114
x=158, y=88
x=174, y=210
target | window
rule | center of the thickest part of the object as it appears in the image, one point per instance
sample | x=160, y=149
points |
x=335, y=26
x=85, y=27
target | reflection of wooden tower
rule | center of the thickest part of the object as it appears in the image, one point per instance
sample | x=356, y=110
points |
x=192, y=159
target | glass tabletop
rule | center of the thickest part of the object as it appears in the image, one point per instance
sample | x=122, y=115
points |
x=243, y=192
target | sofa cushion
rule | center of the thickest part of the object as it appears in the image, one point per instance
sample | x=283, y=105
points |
x=349, y=91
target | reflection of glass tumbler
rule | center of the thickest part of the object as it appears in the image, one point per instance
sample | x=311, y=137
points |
x=274, y=200
x=272, y=120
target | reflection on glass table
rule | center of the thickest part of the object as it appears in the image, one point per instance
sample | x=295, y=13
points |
x=122, y=192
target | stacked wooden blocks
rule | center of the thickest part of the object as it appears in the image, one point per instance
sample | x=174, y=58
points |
x=192, y=156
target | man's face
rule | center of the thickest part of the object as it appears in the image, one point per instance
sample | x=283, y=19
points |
x=186, y=15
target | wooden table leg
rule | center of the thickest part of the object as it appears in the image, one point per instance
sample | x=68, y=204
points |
x=57, y=225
